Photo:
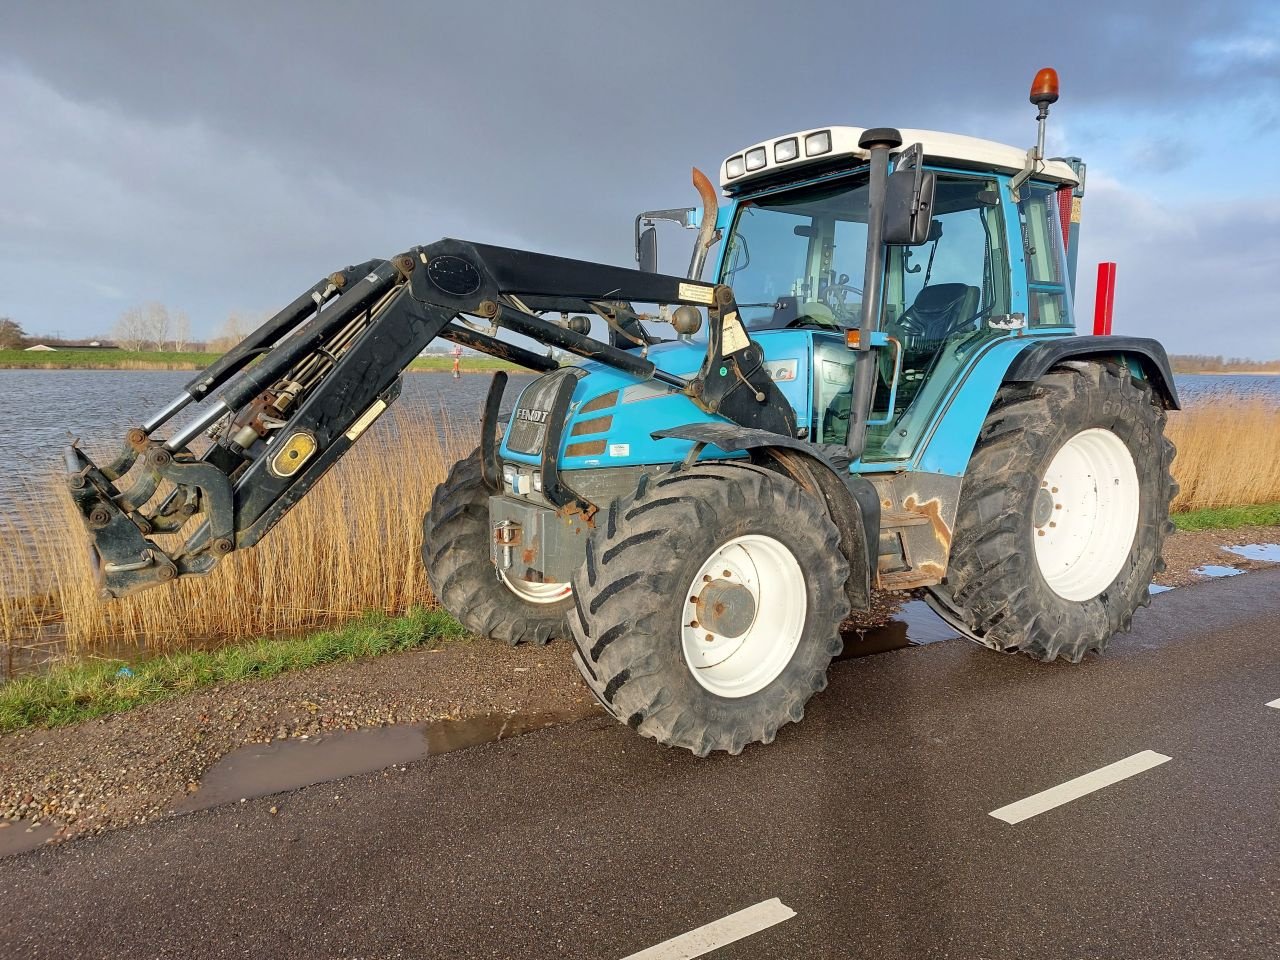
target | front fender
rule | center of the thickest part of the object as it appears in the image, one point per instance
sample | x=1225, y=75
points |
x=851, y=500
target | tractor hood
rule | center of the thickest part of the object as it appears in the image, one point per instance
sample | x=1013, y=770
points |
x=613, y=414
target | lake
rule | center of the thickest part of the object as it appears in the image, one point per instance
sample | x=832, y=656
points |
x=41, y=409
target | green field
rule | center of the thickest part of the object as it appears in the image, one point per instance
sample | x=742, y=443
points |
x=470, y=364
x=104, y=360
x=154, y=360
x=1228, y=518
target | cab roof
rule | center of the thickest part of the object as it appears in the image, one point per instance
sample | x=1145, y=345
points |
x=949, y=148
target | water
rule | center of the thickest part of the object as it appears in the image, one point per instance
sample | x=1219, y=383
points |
x=19, y=836
x=40, y=410
x=1216, y=570
x=1195, y=388
x=260, y=769
x=1268, y=552
x=914, y=624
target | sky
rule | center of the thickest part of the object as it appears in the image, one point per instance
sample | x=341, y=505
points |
x=222, y=157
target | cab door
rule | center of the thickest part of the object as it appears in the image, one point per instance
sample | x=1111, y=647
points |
x=945, y=300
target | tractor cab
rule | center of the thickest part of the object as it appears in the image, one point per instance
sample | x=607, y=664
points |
x=992, y=266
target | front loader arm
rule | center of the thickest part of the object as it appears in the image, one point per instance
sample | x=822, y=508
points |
x=285, y=404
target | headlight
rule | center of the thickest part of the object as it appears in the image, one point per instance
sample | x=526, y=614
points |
x=816, y=144
x=785, y=150
x=757, y=158
x=734, y=167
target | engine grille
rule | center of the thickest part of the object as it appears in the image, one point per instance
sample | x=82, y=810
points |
x=529, y=418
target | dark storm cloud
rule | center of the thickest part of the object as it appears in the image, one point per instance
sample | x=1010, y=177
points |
x=220, y=157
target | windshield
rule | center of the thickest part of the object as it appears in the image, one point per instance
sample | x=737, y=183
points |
x=798, y=260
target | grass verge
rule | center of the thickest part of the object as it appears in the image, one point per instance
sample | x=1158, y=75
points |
x=1227, y=518
x=80, y=691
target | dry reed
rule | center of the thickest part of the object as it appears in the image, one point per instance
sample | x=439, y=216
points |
x=348, y=547
x=1228, y=454
x=352, y=544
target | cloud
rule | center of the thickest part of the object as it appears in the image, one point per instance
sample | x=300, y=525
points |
x=1200, y=276
x=230, y=173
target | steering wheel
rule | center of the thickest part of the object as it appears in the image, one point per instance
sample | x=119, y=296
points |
x=835, y=294
x=817, y=314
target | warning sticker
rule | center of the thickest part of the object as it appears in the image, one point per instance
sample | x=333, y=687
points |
x=732, y=337
x=1075, y=209
x=697, y=293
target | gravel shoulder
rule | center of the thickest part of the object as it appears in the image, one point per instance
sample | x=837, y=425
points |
x=129, y=768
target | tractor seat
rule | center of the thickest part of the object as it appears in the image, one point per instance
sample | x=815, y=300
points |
x=939, y=311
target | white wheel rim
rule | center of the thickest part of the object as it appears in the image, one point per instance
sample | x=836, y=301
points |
x=535, y=592
x=738, y=666
x=1086, y=514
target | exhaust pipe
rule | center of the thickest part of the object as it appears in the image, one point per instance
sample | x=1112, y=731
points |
x=707, y=228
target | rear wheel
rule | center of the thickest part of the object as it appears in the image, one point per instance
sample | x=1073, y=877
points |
x=1063, y=514
x=709, y=605
x=455, y=549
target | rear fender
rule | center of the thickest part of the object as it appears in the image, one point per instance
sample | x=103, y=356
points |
x=1148, y=355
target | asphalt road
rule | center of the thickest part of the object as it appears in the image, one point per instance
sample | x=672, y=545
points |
x=870, y=820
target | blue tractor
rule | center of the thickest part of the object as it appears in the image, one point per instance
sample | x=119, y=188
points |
x=880, y=388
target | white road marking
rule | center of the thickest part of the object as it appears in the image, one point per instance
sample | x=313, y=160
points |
x=1075, y=789
x=719, y=933
x=1274, y=703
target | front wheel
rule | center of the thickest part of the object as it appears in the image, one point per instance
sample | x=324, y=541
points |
x=1063, y=514
x=455, y=549
x=708, y=607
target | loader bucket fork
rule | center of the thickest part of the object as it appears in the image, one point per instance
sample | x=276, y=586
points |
x=278, y=410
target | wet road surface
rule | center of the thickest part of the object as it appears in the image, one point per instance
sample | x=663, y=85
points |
x=866, y=831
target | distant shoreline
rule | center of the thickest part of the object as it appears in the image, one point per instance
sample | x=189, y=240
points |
x=1227, y=373
x=150, y=360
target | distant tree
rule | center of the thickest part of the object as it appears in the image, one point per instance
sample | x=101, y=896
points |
x=181, y=330
x=12, y=336
x=233, y=330
x=158, y=322
x=130, y=332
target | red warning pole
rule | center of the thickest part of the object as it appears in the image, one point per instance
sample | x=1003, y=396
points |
x=1105, y=300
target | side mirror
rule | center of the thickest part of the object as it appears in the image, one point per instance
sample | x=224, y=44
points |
x=908, y=207
x=647, y=250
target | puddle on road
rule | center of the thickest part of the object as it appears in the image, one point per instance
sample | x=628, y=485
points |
x=19, y=836
x=913, y=625
x=260, y=769
x=1215, y=570
x=1266, y=552
x=1158, y=588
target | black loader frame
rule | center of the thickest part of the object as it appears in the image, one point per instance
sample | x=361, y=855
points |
x=315, y=376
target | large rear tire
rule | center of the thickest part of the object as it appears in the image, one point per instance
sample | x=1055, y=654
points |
x=1063, y=514
x=455, y=549
x=709, y=605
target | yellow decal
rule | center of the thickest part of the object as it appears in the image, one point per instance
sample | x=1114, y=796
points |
x=366, y=419
x=296, y=451
x=732, y=337
x=697, y=293
x=1075, y=209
